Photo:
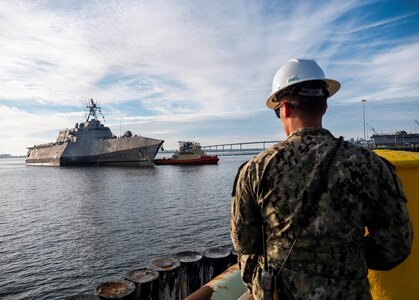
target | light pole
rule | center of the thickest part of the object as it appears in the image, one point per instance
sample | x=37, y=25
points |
x=363, y=106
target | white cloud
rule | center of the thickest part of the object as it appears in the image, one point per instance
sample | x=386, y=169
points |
x=24, y=129
x=189, y=60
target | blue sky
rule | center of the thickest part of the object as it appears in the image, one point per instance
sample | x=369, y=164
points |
x=200, y=70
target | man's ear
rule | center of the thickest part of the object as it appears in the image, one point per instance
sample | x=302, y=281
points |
x=287, y=110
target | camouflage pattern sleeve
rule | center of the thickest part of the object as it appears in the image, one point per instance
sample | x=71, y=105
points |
x=245, y=219
x=245, y=228
x=390, y=235
x=248, y=264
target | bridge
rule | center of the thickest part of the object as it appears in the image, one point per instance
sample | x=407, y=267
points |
x=238, y=148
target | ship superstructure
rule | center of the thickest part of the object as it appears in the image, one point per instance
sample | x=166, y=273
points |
x=92, y=143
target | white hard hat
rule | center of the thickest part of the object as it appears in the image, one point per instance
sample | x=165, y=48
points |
x=298, y=71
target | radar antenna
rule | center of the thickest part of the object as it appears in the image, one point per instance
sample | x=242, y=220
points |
x=93, y=108
x=100, y=113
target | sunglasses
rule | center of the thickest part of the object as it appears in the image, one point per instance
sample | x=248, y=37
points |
x=277, y=110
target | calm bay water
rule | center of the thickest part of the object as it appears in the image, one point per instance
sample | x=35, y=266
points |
x=65, y=230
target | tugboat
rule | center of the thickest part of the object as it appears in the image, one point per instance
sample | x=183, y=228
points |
x=189, y=153
x=92, y=143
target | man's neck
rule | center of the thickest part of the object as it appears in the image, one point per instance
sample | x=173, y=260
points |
x=294, y=124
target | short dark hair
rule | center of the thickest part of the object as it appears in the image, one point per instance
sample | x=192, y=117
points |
x=307, y=103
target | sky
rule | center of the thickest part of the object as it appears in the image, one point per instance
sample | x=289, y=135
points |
x=201, y=70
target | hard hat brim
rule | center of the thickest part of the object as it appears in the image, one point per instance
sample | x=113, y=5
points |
x=332, y=87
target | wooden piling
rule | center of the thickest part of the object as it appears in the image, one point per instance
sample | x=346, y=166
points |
x=191, y=272
x=146, y=283
x=216, y=261
x=168, y=269
x=116, y=290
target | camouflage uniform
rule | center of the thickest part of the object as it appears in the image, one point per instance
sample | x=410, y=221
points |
x=329, y=260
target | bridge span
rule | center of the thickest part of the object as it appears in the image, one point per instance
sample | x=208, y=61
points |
x=243, y=148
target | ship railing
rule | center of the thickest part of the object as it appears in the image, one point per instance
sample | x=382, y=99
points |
x=43, y=145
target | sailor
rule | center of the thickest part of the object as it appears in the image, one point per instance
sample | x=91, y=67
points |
x=330, y=209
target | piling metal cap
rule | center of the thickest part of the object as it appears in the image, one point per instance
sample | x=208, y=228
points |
x=188, y=256
x=164, y=264
x=217, y=252
x=142, y=275
x=115, y=289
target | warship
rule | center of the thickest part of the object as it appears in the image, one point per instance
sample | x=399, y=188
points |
x=92, y=143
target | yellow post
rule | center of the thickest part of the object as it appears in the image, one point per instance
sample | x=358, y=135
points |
x=403, y=281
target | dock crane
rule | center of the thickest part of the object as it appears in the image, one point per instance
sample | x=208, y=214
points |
x=373, y=130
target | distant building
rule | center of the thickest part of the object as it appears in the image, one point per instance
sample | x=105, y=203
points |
x=397, y=139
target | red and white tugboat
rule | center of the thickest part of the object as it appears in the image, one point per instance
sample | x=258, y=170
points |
x=189, y=153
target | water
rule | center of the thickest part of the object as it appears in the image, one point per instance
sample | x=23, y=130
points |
x=63, y=231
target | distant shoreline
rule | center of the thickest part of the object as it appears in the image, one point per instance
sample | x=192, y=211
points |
x=11, y=156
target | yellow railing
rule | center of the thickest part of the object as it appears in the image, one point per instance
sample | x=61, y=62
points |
x=403, y=281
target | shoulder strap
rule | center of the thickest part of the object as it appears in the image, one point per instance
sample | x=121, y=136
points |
x=318, y=186
x=314, y=194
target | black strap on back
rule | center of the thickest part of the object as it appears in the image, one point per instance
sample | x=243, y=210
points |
x=310, y=199
x=319, y=184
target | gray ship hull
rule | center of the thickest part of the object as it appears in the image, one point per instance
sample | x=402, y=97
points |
x=92, y=143
x=128, y=151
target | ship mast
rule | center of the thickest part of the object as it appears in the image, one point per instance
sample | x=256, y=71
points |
x=93, y=109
